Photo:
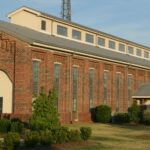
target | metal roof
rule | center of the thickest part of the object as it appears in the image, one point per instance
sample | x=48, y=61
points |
x=30, y=36
x=143, y=91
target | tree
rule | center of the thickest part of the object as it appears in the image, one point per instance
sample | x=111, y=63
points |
x=45, y=113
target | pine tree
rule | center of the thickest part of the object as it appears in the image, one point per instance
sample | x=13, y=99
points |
x=45, y=113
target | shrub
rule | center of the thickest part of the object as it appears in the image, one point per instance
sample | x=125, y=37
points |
x=12, y=140
x=74, y=135
x=86, y=133
x=16, y=127
x=4, y=125
x=46, y=137
x=45, y=114
x=121, y=118
x=134, y=113
x=60, y=134
x=146, y=116
x=32, y=138
x=103, y=113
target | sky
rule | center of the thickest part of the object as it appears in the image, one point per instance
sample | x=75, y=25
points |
x=128, y=19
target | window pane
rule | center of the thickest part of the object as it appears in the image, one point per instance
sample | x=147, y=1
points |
x=138, y=52
x=146, y=54
x=118, y=86
x=57, y=81
x=89, y=38
x=101, y=41
x=106, y=82
x=130, y=50
x=43, y=25
x=112, y=44
x=121, y=47
x=35, y=84
x=76, y=34
x=130, y=87
x=61, y=30
x=75, y=88
x=91, y=87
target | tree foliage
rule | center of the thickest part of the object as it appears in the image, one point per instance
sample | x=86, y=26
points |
x=45, y=113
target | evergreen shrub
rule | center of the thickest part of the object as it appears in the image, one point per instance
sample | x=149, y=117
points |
x=46, y=137
x=45, y=115
x=74, y=135
x=4, y=125
x=146, y=116
x=12, y=140
x=134, y=113
x=16, y=127
x=103, y=114
x=60, y=134
x=32, y=139
x=86, y=133
x=120, y=118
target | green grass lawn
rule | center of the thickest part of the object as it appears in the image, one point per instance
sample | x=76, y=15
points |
x=115, y=137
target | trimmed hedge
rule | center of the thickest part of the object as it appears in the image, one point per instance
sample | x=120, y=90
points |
x=74, y=135
x=146, y=117
x=60, y=135
x=121, y=118
x=134, y=113
x=103, y=114
x=86, y=133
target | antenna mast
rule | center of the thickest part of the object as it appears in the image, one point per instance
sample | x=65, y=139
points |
x=66, y=10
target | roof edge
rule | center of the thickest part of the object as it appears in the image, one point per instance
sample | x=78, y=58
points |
x=37, y=12
x=21, y=9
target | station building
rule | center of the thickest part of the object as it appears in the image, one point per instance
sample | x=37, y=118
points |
x=87, y=67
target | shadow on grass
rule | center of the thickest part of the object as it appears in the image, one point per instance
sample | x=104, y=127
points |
x=92, y=147
x=138, y=127
x=136, y=137
x=99, y=138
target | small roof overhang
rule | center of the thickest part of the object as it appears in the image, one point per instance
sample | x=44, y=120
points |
x=143, y=92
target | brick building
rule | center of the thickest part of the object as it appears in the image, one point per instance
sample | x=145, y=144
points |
x=87, y=67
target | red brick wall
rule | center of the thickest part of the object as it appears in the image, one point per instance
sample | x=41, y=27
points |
x=23, y=78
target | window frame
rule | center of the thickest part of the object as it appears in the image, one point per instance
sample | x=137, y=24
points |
x=120, y=49
x=147, y=53
x=75, y=82
x=91, y=87
x=130, y=48
x=90, y=36
x=138, y=52
x=35, y=77
x=106, y=85
x=43, y=25
x=103, y=40
x=112, y=44
x=62, y=31
x=57, y=80
x=76, y=37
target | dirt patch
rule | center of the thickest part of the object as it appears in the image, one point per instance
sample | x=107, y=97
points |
x=71, y=145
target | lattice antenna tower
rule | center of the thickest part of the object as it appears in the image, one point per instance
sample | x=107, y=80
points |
x=66, y=10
